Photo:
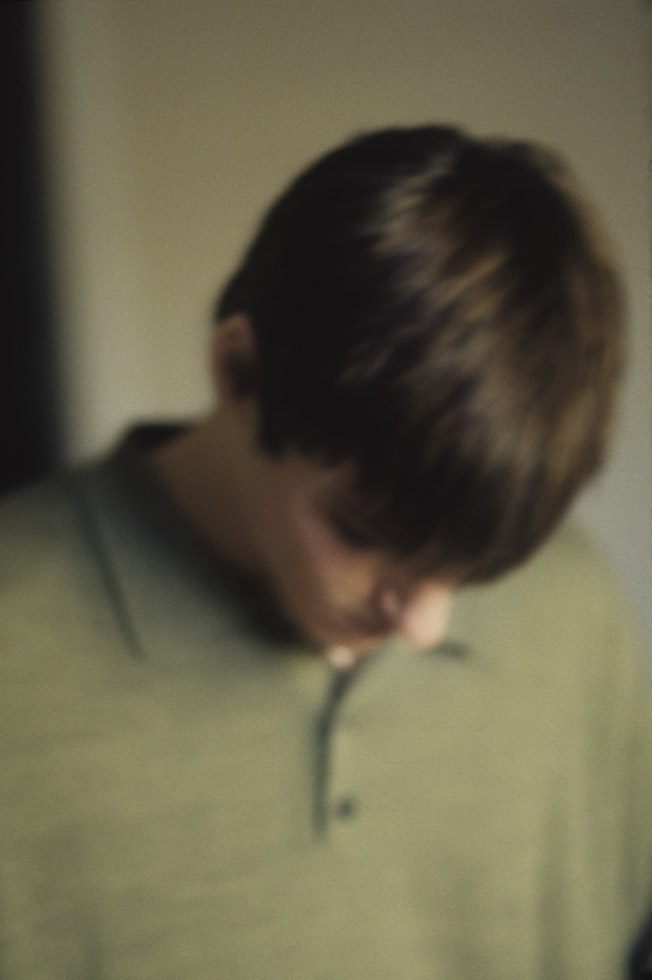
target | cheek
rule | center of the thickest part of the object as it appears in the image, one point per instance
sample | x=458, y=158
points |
x=316, y=547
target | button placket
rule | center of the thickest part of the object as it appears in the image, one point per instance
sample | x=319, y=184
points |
x=343, y=800
x=333, y=798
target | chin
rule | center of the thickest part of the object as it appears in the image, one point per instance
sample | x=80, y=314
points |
x=357, y=640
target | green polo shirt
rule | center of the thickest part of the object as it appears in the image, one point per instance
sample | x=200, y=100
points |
x=189, y=793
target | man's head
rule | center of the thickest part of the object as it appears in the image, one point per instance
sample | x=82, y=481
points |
x=434, y=314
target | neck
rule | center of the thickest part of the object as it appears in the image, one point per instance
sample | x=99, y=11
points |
x=205, y=474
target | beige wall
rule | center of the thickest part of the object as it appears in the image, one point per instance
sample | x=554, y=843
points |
x=171, y=123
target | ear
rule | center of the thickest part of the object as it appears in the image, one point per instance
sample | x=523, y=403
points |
x=234, y=358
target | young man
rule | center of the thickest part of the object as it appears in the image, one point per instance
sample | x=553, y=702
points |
x=318, y=687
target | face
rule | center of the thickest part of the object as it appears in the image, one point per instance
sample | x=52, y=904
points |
x=325, y=576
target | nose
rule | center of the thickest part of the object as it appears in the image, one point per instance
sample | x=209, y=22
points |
x=420, y=616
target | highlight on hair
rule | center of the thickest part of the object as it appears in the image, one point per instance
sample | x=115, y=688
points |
x=440, y=312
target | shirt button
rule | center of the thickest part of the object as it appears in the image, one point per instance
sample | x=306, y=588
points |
x=345, y=808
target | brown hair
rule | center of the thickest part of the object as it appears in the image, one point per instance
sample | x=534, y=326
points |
x=440, y=312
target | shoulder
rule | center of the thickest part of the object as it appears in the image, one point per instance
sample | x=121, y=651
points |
x=565, y=598
x=558, y=632
x=41, y=536
x=570, y=576
x=54, y=601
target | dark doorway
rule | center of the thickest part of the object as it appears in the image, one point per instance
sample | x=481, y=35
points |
x=28, y=442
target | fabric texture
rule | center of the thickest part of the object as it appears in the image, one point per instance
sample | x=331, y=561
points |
x=189, y=793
